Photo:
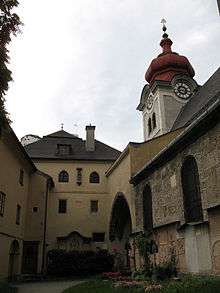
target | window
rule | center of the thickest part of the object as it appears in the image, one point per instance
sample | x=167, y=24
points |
x=154, y=122
x=64, y=149
x=63, y=176
x=94, y=206
x=18, y=214
x=94, y=177
x=21, y=177
x=79, y=176
x=62, y=206
x=147, y=209
x=149, y=126
x=35, y=209
x=98, y=237
x=191, y=190
x=2, y=203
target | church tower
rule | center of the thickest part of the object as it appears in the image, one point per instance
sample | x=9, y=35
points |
x=170, y=86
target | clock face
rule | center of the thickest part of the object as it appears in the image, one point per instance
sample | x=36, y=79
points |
x=150, y=101
x=182, y=90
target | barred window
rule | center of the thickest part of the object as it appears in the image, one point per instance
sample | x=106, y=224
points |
x=2, y=203
x=94, y=177
x=94, y=206
x=79, y=176
x=147, y=209
x=62, y=206
x=63, y=176
x=191, y=190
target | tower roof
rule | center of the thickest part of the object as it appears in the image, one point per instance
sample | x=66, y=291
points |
x=168, y=63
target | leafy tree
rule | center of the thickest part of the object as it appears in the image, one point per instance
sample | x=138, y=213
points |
x=9, y=25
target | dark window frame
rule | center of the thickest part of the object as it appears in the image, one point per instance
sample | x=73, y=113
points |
x=94, y=177
x=94, y=206
x=63, y=176
x=21, y=177
x=98, y=237
x=192, y=201
x=64, y=149
x=79, y=176
x=2, y=203
x=18, y=215
x=149, y=123
x=62, y=209
x=154, y=121
x=147, y=209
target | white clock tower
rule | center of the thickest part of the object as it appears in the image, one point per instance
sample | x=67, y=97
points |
x=170, y=86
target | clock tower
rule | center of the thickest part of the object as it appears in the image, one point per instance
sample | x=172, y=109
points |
x=170, y=86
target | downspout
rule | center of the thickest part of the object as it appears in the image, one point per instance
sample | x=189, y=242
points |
x=45, y=228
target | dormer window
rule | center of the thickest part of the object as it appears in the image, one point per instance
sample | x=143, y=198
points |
x=64, y=149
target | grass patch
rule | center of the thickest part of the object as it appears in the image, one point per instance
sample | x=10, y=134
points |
x=95, y=286
x=189, y=284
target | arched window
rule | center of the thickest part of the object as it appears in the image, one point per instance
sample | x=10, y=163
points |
x=94, y=177
x=149, y=126
x=147, y=209
x=154, y=122
x=63, y=176
x=191, y=190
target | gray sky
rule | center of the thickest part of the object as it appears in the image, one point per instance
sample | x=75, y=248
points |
x=83, y=61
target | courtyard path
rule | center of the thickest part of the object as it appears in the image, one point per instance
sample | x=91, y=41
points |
x=46, y=287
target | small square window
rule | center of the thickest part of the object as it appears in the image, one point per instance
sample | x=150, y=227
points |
x=21, y=177
x=62, y=206
x=18, y=214
x=35, y=209
x=98, y=237
x=94, y=206
x=64, y=149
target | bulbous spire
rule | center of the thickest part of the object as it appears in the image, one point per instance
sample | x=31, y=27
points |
x=168, y=63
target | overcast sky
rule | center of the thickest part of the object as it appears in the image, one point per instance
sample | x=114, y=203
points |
x=83, y=61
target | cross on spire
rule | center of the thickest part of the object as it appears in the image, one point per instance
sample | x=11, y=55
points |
x=62, y=126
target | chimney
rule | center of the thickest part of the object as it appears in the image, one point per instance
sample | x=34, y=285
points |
x=90, y=138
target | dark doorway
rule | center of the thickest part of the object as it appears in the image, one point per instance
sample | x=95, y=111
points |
x=14, y=260
x=30, y=257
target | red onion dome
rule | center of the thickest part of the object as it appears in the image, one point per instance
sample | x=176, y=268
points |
x=168, y=63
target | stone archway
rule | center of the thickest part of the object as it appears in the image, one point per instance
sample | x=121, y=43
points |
x=14, y=253
x=120, y=228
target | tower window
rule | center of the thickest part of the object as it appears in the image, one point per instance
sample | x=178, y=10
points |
x=94, y=206
x=2, y=203
x=94, y=177
x=63, y=176
x=62, y=206
x=191, y=190
x=154, y=122
x=149, y=126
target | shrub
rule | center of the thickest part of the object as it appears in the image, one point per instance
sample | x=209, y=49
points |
x=78, y=263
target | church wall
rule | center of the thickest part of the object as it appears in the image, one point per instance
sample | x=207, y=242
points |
x=118, y=182
x=165, y=183
x=78, y=216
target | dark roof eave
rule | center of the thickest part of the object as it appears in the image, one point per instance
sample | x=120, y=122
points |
x=205, y=122
x=73, y=159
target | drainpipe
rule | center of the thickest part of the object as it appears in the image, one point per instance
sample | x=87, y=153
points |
x=45, y=228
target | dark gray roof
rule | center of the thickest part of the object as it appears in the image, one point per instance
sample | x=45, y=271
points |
x=46, y=148
x=203, y=98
